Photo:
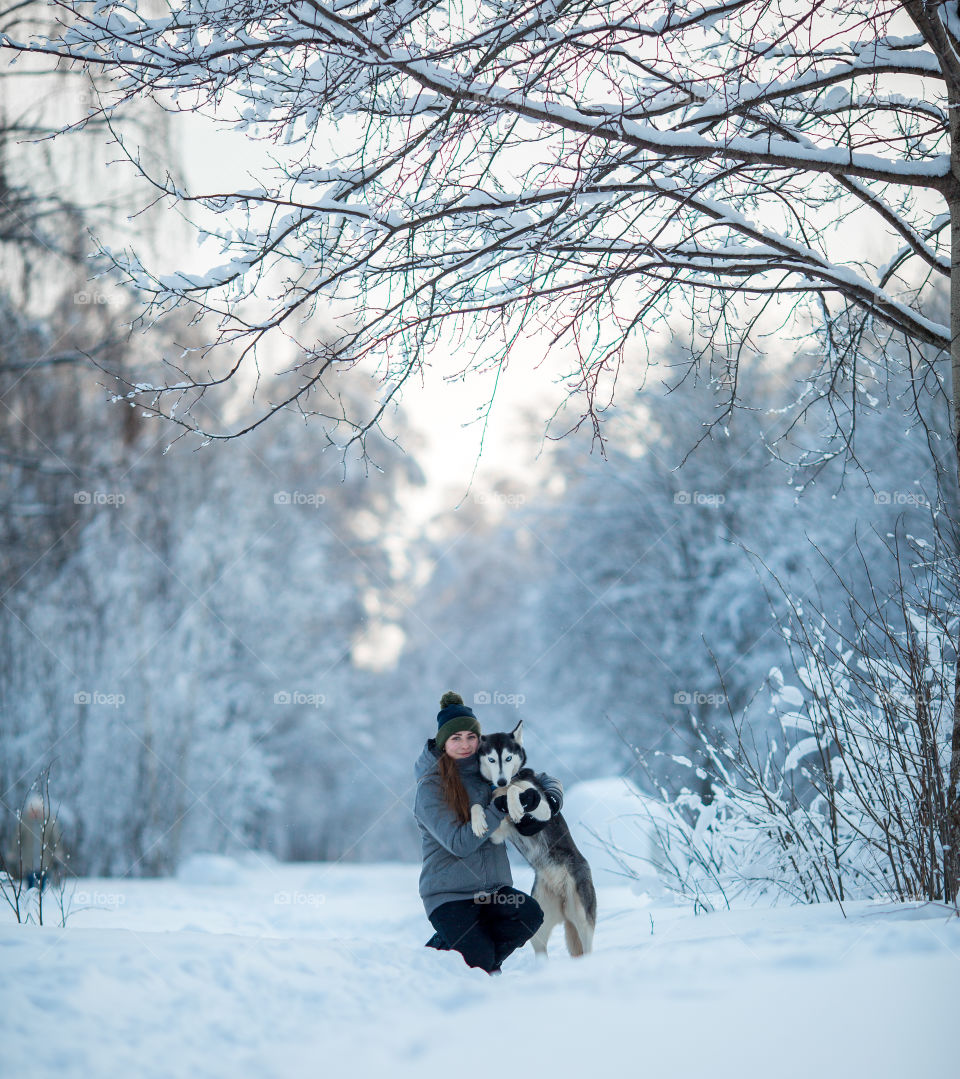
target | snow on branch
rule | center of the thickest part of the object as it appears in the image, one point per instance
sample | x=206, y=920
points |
x=504, y=167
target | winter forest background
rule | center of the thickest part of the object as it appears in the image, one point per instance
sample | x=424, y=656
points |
x=241, y=644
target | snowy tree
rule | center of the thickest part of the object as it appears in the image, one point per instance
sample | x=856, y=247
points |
x=635, y=594
x=153, y=647
x=187, y=659
x=586, y=170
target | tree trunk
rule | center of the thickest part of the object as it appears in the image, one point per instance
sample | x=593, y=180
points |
x=952, y=852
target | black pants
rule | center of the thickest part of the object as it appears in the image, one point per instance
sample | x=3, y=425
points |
x=487, y=928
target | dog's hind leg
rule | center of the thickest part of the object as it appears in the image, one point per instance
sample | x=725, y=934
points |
x=552, y=907
x=574, y=946
x=577, y=925
x=585, y=932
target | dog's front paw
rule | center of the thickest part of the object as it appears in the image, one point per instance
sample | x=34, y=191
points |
x=478, y=820
x=514, y=805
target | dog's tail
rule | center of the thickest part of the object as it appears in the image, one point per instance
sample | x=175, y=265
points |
x=587, y=894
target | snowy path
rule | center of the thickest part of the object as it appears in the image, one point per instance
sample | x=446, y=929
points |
x=315, y=967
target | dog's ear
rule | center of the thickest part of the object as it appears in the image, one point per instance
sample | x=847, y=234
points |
x=517, y=732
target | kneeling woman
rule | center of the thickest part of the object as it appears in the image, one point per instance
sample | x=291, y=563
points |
x=465, y=883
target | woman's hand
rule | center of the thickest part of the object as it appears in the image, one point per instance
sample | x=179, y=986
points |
x=530, y=799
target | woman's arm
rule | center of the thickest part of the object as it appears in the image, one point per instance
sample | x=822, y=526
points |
x=530, y=799
x=431, y=809
x=553, y=791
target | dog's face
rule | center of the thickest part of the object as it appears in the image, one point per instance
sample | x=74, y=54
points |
x=501, y=756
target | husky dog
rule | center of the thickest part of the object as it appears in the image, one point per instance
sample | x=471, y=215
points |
x=563, y=885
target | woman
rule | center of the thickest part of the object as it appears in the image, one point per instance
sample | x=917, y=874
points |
x=465, y=883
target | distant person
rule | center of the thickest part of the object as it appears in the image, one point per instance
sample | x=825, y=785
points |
x=39, y=851
x=465, y=883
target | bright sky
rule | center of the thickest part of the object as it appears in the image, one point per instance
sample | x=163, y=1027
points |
x=217, y=158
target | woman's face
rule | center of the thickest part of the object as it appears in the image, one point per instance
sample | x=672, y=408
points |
x=461, y=745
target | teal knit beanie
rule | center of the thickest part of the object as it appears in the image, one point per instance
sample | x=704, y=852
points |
x=454, y=716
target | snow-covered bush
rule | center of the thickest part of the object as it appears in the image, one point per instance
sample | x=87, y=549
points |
x=851, y=800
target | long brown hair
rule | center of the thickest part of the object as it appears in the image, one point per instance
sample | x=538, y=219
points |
x=454, y=792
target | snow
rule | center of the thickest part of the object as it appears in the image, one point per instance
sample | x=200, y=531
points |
x=299, y=966
x=790, y=695
x=209, y=869
x=802, y=749
x=609, y=118
x=616, y=826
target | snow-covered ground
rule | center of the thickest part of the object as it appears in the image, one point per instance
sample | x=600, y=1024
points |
x=257, y=969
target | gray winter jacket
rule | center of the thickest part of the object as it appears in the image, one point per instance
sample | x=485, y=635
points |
x=456, y=864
